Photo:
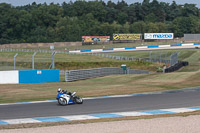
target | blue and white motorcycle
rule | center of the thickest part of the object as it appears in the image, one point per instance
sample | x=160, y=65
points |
x=68, y=98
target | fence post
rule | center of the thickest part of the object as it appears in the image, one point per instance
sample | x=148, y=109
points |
x=160, y=57
x=150, y=54
x=15, y=60
x=52, y=60
x=171, y=59
x=33, y=65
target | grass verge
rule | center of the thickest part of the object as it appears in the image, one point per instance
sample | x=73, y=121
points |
x=110, y=85
x=102, y=86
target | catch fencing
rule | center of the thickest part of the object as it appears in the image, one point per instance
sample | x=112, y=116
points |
x=26, y=59
x=169, y=59
x=74, y=75
x=38, y=61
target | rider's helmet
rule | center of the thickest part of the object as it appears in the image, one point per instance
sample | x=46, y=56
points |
x=59, y=89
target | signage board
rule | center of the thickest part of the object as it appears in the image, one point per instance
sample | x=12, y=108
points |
x=95, y=39
x=158, y=36
x=126, y=36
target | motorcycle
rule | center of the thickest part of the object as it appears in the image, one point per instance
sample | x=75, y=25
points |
x=68, y=98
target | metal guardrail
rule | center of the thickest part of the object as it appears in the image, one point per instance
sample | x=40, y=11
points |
x=74, y=75
x=134, y=71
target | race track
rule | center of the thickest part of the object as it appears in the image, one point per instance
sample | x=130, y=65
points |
x=178, y=99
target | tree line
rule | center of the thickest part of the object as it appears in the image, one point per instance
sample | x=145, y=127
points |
x=69, y=21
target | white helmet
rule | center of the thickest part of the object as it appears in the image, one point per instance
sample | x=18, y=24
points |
x=59, y=89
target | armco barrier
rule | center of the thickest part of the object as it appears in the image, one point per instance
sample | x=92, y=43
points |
x=29, y=76
x=38, y=76
x=74, y=75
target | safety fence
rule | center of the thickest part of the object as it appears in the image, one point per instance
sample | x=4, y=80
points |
x=48, y=61
x=74, y=75
x=169, y=59
x=31, y=63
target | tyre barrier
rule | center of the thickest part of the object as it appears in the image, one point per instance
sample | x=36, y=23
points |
x=177, y=66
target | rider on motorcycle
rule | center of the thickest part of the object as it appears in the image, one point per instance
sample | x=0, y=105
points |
x=63, y=91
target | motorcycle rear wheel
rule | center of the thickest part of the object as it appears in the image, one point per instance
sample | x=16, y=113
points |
x=62, y=101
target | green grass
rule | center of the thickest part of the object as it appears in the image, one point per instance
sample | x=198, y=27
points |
x=114, y=45
x=190, y=55
x=103, y=86
x=66, y=61
x=110, y=85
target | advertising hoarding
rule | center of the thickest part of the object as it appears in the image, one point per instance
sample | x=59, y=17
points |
x=158, y=36
x=95, y=39
x=126, y=36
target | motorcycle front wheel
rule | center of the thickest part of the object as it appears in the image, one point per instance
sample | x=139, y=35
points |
x=78, y=100
x=62, y=101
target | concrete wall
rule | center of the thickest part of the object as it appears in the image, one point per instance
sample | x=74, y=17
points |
x=29, y=76
x=38, y=76
x=9, y=77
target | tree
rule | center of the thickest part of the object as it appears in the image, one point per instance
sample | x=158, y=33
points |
x=183, y=25
x=111, y=4
x=175, y=11
x=69, y=21
x=138, y=27
x=151, y=18
x=116, y=27
x=190, y=10
x=162, y=27
x=125, y=28
x=152, y=28
x=121, y=5
x=145, y=7
x=122, y=18
x=158, y=11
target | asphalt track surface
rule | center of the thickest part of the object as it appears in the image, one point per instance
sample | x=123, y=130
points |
x=107, y=105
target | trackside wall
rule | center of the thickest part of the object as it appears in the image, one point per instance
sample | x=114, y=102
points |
x=9, y=77
x=38, y=76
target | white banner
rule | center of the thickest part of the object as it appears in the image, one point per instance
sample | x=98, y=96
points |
x=9, y=77
x=158, y=36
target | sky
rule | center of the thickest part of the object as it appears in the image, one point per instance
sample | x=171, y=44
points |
x=26, y=2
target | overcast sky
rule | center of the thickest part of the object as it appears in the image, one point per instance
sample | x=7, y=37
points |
x=25, y=2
